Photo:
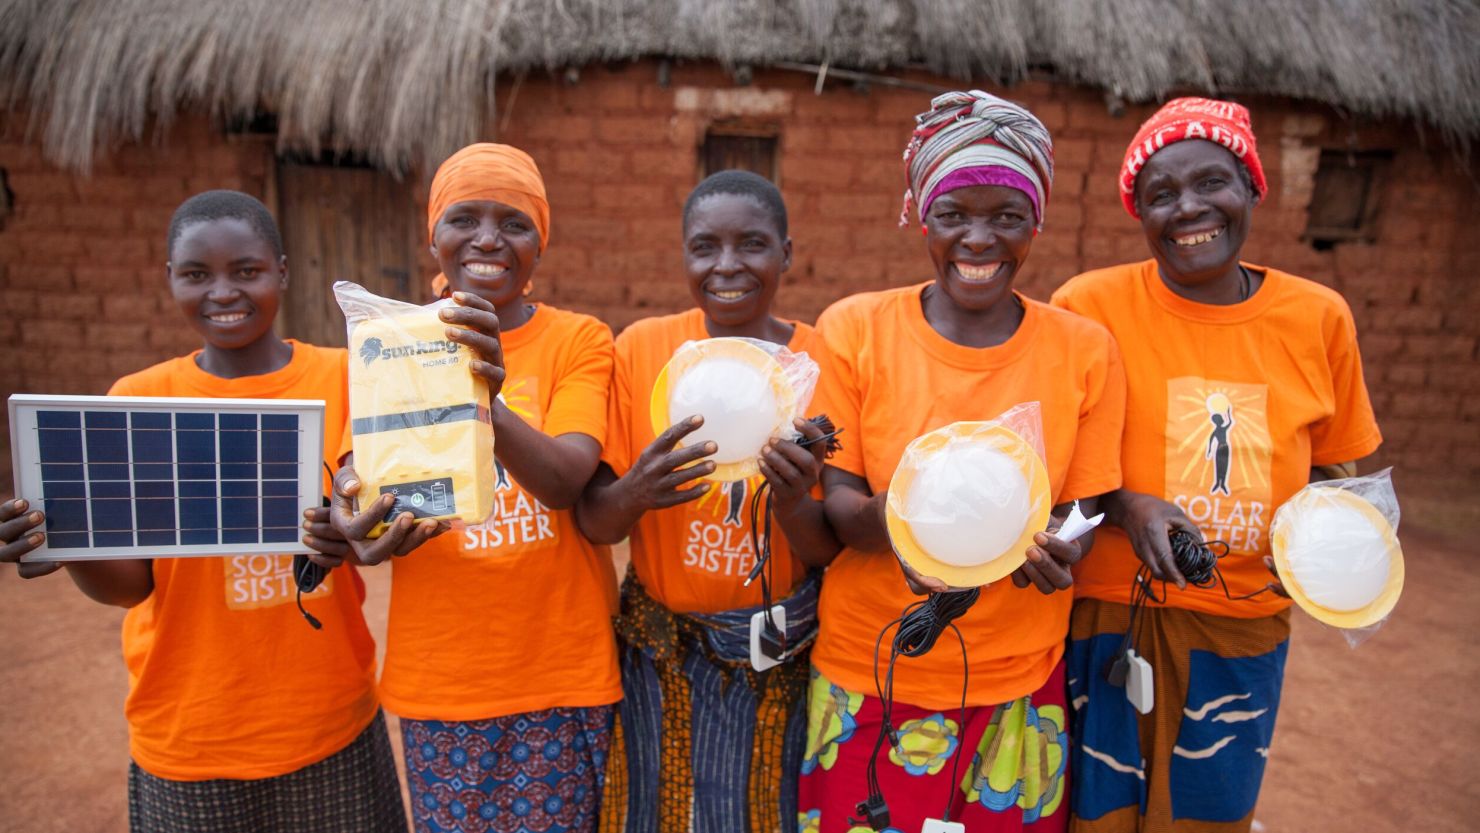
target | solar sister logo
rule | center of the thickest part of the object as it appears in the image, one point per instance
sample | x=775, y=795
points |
x=718, y=535
x=1218, y=459
x=254, y=581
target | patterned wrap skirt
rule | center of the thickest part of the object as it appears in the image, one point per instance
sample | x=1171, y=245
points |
x=996, y=768
x=703, y=743
x=1195, y=762
x=355, y=790
x=536, y=772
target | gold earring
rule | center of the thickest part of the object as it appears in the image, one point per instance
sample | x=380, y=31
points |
x=529, y=287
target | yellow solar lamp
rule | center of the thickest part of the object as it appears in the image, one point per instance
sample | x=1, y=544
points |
x=965, y=502
x=1338, y=556
x=740, y=389
x=422, y=428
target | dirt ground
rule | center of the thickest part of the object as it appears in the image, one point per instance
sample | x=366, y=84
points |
x=1379, y=739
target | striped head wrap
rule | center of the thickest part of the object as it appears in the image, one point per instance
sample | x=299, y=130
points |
x=975, y=138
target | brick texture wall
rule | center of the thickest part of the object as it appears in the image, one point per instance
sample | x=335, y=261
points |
x=81, y=257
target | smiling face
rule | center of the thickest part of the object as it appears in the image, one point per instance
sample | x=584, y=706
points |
x=227, y=280
x=734, y=254
x=487, y=248
x=1195, y=206
x=978, y=238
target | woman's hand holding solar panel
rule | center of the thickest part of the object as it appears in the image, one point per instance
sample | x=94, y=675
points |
x=329, y=543
x=403, y=535
x=19, y=534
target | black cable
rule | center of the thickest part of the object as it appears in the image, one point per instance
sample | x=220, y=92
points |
x=918, y=627
x=1197, y=561
x=307, y=575
x=312, y=620
x=760, y=532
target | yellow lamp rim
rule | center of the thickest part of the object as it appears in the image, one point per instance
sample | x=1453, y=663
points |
x=1376, y=610
x=998, y=437
x=738, y=349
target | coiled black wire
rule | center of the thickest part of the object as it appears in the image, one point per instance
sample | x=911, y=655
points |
x=919, y=627
x=1197, y=561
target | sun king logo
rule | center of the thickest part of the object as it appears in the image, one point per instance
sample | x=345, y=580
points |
x=373, y=349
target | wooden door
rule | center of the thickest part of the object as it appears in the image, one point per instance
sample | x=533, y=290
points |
x=344, y=223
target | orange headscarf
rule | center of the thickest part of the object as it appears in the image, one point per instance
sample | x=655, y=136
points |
x=487, y=171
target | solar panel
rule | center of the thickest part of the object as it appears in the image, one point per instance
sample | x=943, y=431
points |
x=133, y=477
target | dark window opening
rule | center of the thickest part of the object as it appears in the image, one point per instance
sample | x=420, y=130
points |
x=747, y=150
x=7, y=198
x=1344, y=205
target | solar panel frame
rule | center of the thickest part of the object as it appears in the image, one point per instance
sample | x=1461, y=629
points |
x=94, y=471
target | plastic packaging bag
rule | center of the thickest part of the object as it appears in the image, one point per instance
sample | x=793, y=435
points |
x=422, y=428
x=966, y=499
x=1335, y=546
x=747, y=390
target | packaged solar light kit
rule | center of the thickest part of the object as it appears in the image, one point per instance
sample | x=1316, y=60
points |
x=421, y=424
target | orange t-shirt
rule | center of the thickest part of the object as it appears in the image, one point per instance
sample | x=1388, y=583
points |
x=514, y=614
x=692, y=558
x=1228, y=408
x=226, y=679
x=889, y=378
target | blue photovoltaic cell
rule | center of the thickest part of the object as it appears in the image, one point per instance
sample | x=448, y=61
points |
x=198, y=488
x=280, y=488
x=112, y=489
x=279, y=422
x=280, y=471
x=197, y=471
x=54, y=472
x=280, y=511
x=188, y=419
x=196, y=446
x=65, y=489
x=149, y=419
x=58, y=419
x=152, y=445
x=119, y=478
x=66, y=515
x=154, y=471
x=59, y=446
x=106, y=419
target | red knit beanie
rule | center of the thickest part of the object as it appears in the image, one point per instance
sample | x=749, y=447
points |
x=1221, y=122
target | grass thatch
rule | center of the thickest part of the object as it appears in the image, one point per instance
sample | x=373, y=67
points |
x=407, y=81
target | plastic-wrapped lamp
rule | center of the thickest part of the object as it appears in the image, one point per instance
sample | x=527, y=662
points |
x=1338, y=557
x=740, y=389
x=965, y=502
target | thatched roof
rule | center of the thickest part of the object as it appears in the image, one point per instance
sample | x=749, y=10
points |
x=406, y=81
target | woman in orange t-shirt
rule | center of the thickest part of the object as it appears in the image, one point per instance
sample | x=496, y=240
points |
x=499, y=651
x=704, y=739
x=901, y=363
x=1245, y=384
x=240, y=717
